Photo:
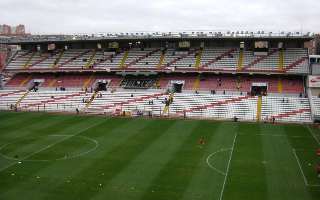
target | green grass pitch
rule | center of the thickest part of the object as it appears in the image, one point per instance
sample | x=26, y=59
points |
x=51, y=156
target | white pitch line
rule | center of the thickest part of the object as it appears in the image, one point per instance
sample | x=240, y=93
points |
x=311, y=132
x=95, y=142
x=300, y=167
x=47, y=147
x=85, y=152
x=317, y=140
x=277, y=135
x=301, y=170
x=211, y=166
x=313, y=185
x=226, y=176
x=32, y=154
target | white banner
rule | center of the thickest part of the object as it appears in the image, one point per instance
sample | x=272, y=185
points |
x=51, y=47
x=38, y=80
x=184, y=44
x=261, y=44
x=314, y=81
x=113, y=45
x=260, y=84
x=176, y=82
x=258, y=53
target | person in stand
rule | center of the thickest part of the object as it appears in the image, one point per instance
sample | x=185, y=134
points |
x=235, y=119
x=165, y=100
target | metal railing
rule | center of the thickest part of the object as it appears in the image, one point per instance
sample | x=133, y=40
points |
x=154, y=35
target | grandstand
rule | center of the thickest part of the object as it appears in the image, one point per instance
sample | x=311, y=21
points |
x=213, y=75
x=293, y=60
x=86, y=117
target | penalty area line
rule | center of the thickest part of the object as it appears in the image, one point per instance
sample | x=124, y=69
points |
x=301, y=171
x=311, y=132
x=300, y=167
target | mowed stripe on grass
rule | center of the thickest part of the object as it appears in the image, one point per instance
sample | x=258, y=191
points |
x=153, y=159
x=29, y=169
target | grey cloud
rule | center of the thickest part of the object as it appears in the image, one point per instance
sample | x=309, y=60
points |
x=91, y=16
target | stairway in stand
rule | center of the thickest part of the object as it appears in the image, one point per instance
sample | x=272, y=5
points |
x=21, y=98
x=55, y=63
x=123, y=60
x=198, y=59
x=196, y=84
x=167, y=106
x=25, y=81
x=52, y=83
x=27, y=64
x=280, y=86
x=88, y=82
x=281, y=60
x=259, y=108
x=94, y=95
x=240, y=60
x=90, y=61
x=161, y=61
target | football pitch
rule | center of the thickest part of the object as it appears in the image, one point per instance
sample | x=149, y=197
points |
x=51, y=156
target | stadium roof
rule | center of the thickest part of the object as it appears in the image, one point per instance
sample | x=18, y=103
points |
x=156, y=36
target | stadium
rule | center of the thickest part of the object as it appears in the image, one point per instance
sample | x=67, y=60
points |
x=195, y=115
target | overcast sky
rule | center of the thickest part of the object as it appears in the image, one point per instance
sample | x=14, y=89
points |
x=93, y=16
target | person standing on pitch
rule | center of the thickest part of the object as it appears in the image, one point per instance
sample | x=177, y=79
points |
x=318, y=170
x=318, y=152
x=318, y=166
x=201, y=141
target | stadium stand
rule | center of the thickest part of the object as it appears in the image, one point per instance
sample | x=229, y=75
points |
x=219, y=59
x=316, y=105
x=188, y=104
x=241, y=83
x=286, y=109
x=211, y=79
